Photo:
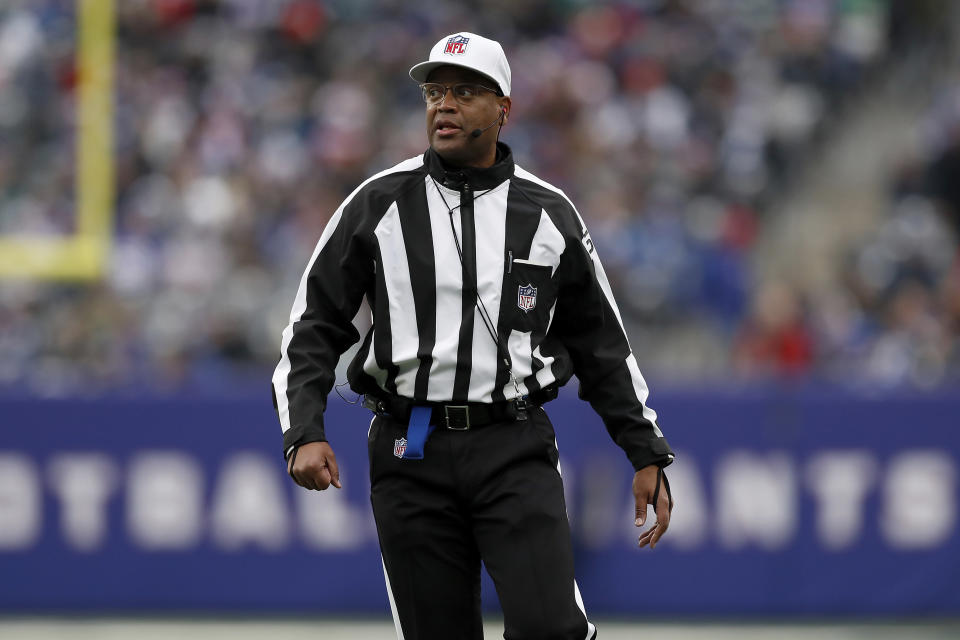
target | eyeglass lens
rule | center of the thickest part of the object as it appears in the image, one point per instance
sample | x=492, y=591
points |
x=434, y=93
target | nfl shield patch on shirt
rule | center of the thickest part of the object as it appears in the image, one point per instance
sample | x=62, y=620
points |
x=399, y=447
x=527, y=297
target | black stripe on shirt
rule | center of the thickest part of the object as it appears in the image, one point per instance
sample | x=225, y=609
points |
x=383, y=335
x=523, y=218
x=418, y=241
x=468, y=247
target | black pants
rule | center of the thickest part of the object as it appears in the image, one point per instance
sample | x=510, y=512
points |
x=492, y=493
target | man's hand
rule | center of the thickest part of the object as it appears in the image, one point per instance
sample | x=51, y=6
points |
x=644, y=485
x=313, y=466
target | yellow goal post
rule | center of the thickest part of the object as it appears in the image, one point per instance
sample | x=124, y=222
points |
x=82, y=255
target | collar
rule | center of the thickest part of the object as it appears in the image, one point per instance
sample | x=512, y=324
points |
x=453, y=177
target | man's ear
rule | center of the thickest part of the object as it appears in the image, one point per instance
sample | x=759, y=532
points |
x=505, y=106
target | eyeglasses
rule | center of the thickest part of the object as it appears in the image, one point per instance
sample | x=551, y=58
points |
x=463, y=92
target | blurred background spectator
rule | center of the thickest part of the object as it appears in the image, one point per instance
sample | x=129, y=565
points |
x=681, y=128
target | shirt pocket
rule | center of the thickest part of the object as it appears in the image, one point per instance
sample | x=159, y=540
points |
x=529, y=295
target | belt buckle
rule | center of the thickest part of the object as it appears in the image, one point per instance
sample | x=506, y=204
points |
x=457, y=417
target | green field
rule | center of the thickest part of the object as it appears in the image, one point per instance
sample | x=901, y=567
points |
x=210, y=629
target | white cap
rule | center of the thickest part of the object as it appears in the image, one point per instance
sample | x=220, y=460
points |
x=470, y=51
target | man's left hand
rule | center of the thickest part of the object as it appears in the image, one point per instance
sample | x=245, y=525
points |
x=644, y=485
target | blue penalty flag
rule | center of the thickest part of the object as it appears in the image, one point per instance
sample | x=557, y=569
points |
x=418, y=430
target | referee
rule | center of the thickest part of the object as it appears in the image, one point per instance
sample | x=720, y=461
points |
x=487, y=296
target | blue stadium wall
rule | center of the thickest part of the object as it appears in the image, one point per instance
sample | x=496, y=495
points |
x=791, y=501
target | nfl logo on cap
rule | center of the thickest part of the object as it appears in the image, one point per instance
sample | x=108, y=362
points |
x=456, y=45
x=483, y=55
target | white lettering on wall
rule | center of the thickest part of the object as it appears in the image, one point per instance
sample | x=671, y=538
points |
x=753, y=503
x=165, y=501
x=250, y=505
x=840, y=481
x=329, y=522
x=756, y=500
x=920, y=502
x=83, y=482
x=21, y=503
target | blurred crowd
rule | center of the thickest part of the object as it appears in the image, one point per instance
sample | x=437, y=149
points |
x=240, y=125
x=896, y=319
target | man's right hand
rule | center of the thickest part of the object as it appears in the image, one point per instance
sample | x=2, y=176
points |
x=314, y=466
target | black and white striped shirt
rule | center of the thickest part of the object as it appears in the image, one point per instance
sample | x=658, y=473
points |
x=524, y=253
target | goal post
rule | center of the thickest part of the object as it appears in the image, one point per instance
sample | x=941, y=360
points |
x=82, y=255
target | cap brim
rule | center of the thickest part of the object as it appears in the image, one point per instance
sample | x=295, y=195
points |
x=420, y=72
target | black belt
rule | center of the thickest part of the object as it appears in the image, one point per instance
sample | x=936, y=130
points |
x=458, y=417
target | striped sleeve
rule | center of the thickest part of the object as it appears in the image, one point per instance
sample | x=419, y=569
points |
x=318, y=332
x=588, y=323
x=339, y=274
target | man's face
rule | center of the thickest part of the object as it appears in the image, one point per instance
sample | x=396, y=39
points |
x=449, y=123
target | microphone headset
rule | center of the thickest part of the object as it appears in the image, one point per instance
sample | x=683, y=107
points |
x=476, y=133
